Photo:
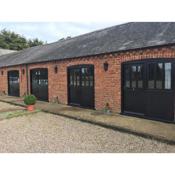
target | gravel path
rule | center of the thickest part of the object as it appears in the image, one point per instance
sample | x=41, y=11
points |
x=43, y=132
x=6, y=106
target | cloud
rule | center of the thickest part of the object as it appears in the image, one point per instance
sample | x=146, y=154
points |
x=53, y=31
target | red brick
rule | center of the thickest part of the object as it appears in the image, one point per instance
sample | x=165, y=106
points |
x=107, y=84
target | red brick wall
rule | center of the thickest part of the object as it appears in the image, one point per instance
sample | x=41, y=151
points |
x=4, y=79
x=107, y=84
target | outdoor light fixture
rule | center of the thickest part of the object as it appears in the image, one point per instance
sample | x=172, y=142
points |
x=105, y=66
x=23, y=71
x=56, y=69
x=2, y=72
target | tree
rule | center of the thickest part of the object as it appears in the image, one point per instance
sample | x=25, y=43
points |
x=34, y=42
x=11, y=40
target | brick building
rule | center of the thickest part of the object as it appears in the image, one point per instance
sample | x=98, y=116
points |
x=128, y=68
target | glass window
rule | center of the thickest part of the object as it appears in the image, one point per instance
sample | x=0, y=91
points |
x=140, y=76
x=151, y=76
x=159, y=76
x=74, y=78
x=161, y=73
x=91, y=80
x=127, y=77
x=133, y=76
x=78, y=80
x=71, y=80
x=82, y=83
x=83, y=70
x=167, y=75
x=87, y=80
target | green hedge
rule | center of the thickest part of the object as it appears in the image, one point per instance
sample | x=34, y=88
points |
x=29, y=99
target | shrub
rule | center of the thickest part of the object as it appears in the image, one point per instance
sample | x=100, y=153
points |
x=29, y=99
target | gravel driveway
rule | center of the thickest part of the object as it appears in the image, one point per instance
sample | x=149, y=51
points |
x=43, y=132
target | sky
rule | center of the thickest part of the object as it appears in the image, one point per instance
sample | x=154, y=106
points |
x=53, y=31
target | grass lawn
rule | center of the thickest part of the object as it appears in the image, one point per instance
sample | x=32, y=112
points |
x=17, y=113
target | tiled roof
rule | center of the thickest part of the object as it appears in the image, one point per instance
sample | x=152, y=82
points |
x=122, y=37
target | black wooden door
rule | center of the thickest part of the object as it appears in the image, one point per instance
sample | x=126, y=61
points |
x=148, y=89
x=13, y=83
x=160, y=90
x=39, y=83
x=74, y=86
x=134, y=89
x=81, y=85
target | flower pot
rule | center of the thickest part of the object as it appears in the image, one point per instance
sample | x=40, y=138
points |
x=30, y=107
x=108, y=111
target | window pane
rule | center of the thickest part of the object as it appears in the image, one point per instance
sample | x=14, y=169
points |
x=133, y=76
x=91, y=80
x=83, y=82
x=151, y=76
x=76, y=73
x=127, y=76
x=87, y=81
x=140, y=76
x=159, y=75
x=71, y=80
x=78, y=80
x=167, y=75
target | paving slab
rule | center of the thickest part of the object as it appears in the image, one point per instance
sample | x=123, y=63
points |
x=161, y=131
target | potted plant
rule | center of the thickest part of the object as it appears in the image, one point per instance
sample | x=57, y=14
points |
x=107, y=108
x=30, y=101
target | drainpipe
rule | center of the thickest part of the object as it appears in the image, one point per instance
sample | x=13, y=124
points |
x=27, y=78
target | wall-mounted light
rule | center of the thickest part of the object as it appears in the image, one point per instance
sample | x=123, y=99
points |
x=105, y=66
x=23, y=71
x=2, y=72
x=56, y=69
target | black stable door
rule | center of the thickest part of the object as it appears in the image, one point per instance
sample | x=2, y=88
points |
x=148, y=89
x=39, y=83
x=81, y=86
x=160, y=91
x=133, y=89
x=13, y=83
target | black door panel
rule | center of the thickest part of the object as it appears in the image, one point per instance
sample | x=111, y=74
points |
x=149, y=92
x=81, y=85
x=134, y=101
x=13, y=83
x=39, y=83
x=160, y=105
x=133, y=89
